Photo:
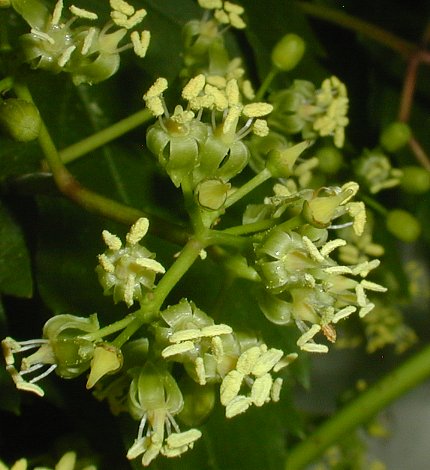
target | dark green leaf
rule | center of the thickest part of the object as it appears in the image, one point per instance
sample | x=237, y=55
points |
x=15, y=271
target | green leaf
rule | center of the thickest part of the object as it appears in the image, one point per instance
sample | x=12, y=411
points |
x=15, y=270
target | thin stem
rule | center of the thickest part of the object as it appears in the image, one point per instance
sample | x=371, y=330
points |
x=369, y=201
x=110, y=329
x=90, y=200
x=266, y=83
x=420, y=153
x=249, y=186
x=250, y=228
x=412, y=372
x=409, y=88
x=217, y=237
x=106, y=135
x=150, y=308
x=403, y=47
x=292, y=223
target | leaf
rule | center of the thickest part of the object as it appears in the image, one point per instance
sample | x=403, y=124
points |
x=15, y=269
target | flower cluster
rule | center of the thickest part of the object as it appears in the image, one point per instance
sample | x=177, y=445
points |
x=127, y=272
x=313, y=112
x=192, y=151
x=88, y=53
x=305, y=285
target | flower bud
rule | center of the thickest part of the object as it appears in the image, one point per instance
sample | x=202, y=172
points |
x=288, y=52
x=395, y=136
x=106, y=359
x=281, y=163
x=212, y=193
x=403, y=225
x=20, y=119
x=330, y=160
x=415, y=179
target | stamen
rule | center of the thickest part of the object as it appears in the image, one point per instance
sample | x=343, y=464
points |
x=65, y=56
x=56, y=15
x=112, y=241
x=88, y=41
x=81, y=13
x=42, y=35
x=141, y=426
x=44, y=374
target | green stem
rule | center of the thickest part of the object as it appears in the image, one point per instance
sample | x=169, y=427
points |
x=217, y=237
x=412, y=372
x=250, y=228
x=106, y=135
x=266, y=83
x=90, y=200
x=249, y=186
x=292, y=223
x=150, y=309
x=369, y=201
x=403, y=47
x=110, y=329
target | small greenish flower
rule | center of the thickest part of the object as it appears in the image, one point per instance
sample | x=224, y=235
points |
x=186, y=147
x=333, y=99
x=88, y=53
x=313, y=112
x=63, y=348
x=155, y=399
x=128, y=271
x=207, y=350
x=253, y=371
x=375, y=170
x=330, y=203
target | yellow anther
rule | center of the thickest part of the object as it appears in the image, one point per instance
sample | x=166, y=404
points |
x=81, y=13
x=254, y=110
x=137, y=231
x=140, y=43
x=112, y=241
x=194, y=87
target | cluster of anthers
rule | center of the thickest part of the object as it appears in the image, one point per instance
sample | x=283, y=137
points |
x=226, y=13
x=202, y=95
x=253, y=371
x=332, y=97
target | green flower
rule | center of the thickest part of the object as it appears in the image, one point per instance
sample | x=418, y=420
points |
x=155, y=399
x=63, y=348
x=207, y=350
x=127, y=272
x=88, y=53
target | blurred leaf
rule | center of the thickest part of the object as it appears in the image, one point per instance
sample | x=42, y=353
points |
x=15, y=270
